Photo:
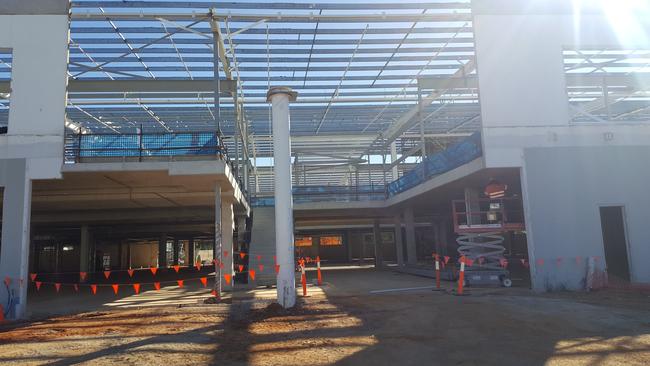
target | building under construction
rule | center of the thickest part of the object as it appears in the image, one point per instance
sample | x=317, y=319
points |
x=511, y=136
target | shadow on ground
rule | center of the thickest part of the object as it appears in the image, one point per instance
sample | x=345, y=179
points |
x=493, y=327
x=342, y=323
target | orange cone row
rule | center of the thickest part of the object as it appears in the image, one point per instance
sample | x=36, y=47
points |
x=116, y=286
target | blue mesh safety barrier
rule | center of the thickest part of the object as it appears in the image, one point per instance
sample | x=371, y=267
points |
x=454, y=156
x=208, y=143
x=142, y=145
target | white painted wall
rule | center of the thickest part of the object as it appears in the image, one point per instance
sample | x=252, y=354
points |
x=521, y=75
x=33, y=146
x=39, y=44
x=565, y=187
x=567, y=169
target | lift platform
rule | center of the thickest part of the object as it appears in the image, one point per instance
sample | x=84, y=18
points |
x=480, y=225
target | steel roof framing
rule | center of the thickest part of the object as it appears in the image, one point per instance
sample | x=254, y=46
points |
x=354, y=65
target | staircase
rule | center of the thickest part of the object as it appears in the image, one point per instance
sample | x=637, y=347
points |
x=263, y=244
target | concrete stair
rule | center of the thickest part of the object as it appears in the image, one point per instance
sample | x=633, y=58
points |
x=263, y=244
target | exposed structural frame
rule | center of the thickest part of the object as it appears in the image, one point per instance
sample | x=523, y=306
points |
x=306, y=43
x=220, y=59
x=386, y=139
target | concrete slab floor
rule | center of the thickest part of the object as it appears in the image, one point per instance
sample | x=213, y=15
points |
x=343, y=323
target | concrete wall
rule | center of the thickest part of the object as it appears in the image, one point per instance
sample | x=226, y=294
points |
x=565, y=188
x=38, y=90
x=521, y=74
x=568, y=169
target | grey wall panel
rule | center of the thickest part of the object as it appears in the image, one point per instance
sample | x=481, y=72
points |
x=34, y=7
x=565, y=188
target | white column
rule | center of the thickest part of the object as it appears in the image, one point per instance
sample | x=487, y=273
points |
x=14, y=254
x=411, y=250
x=227, y=228
x=393, y=157
x=286, y=281
x=217, y=247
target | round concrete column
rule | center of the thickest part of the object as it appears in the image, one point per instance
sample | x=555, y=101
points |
x=286, y=286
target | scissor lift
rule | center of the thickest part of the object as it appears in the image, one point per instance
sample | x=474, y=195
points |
x=480, y=225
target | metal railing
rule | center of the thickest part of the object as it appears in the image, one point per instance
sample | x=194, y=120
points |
x=80, y=148
x=143, y=146
x=487, y=214
x=338, y=193
x=306, y=194
x=454, y=156
x=138, y=147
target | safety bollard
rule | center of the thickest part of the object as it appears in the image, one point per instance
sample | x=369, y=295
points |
x=437, y=264
x=437, y=271
x=303, y=277
x=461, y=276
x=320, y=278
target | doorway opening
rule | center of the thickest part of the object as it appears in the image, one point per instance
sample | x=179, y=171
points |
x=612, y=220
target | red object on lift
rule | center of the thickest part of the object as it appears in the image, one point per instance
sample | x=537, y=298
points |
x=495, y=189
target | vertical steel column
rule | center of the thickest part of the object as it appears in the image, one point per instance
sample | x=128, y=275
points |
x=356, y=178
x=399, y=242
x=376, y=231
x=237, y=137
x=393, y=157
x=84, y=249
x=383, y=166
x=369, y=173
x=216, y=77
x=191, y=257
x=176, y=251
x=216, y=249
x=422, y=139
x=162, y=251
x=284, y=244
x=411, y=246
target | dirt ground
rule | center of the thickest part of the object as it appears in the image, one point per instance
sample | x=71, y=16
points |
x=346, y=323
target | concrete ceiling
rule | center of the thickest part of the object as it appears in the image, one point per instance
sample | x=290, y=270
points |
x=126, y=190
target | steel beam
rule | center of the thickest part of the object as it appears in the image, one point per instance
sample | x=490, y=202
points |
x=141, y=86
x=300, y=18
